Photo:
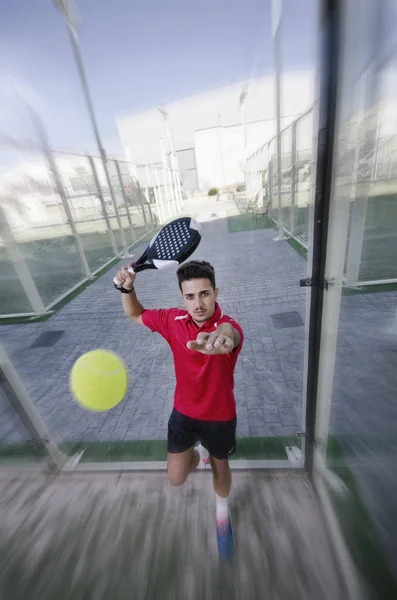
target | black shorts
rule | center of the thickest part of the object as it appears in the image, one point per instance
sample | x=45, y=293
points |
x=218, y=437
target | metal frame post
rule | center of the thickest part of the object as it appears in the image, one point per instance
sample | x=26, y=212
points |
x=69, y=216
x=122, y=190
x=150, y=213
x=270, y=178
x=169, y=199
x=103, y=205
x=316, y=387
x=175, y=183
x=45, y=147
x=170, y=184
x=134, y=170
x=116, y=210
x=165, y=166
x=294, y=172
x=144, y=202
x=20, y=400
x=71, y=25
x=147, y=193
x=159, y=207
x=174, y=162
x=156, y=176
x=276, y=19
x=243, y=120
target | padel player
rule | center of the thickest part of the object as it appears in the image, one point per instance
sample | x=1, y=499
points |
x=205, y=344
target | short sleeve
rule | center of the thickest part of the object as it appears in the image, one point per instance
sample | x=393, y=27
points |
x=158, y=321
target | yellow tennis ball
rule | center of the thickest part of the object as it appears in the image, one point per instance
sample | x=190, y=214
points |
x=98, y=380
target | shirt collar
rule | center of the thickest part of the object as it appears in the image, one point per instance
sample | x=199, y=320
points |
x=218, y=314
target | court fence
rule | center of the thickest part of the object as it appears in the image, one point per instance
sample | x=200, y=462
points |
x=366, y=166
x=262, y=178
x=64, y=219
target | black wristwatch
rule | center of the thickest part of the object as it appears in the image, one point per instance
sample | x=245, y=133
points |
x=122, y=289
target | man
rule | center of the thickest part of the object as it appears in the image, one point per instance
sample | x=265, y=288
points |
x=205, y=344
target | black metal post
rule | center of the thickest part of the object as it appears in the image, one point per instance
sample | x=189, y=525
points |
x=330, y=20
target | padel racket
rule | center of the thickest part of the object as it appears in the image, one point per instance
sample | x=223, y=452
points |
x=171, y=246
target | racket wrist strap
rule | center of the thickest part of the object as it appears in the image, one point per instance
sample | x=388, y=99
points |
x=122, y=289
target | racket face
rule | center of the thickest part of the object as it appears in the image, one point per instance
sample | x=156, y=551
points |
x=172, y=245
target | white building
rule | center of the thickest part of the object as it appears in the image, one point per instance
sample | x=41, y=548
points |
x=213, y=132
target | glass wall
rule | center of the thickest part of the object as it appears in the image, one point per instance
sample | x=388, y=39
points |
x=356, y=428
x=13, y=299
x=296, y=177
x=61, y=222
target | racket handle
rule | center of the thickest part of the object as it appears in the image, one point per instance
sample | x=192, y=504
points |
x=117, y=282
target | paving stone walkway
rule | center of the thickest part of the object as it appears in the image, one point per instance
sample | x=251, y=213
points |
x=257, y=278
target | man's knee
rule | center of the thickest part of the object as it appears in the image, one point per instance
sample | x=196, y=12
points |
x=180, y=465
x=176, y=478
x=220, y=468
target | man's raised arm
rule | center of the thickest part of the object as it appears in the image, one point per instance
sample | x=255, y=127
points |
x=133, y=309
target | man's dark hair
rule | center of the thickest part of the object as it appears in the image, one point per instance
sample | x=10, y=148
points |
x=196, y=269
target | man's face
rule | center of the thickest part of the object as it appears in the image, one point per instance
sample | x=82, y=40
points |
x=199, y=298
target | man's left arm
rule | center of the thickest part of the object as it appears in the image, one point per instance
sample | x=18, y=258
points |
x=223, y=340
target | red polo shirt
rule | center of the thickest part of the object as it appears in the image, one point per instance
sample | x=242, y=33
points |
x=204, y=384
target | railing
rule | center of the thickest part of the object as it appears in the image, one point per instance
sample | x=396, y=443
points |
x=296, y=166
x=61, y=223
x=366, y=166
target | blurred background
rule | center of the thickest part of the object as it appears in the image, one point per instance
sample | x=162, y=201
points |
x=274, y=124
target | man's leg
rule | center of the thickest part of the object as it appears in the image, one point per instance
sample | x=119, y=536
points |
x=182, y=457
x=219, y=438
x=222, y=477
x=180, y=465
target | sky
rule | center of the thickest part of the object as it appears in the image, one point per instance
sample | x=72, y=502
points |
x=137, y=56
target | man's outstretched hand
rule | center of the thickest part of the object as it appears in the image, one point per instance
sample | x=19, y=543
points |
x=212, y=343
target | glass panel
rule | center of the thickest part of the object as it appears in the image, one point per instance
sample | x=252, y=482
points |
x=380, y=239
x=41, y=230
x=87, y=210
x=138, y=220
x=270, y=304
x=96, y=241
x=14, y=439
x=356, y=429
x=13, y=299
x=379, y=246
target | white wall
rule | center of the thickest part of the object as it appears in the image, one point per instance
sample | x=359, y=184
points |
x=220, y=151
x=140, y=133
x=219, y=156
x=210, y=168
